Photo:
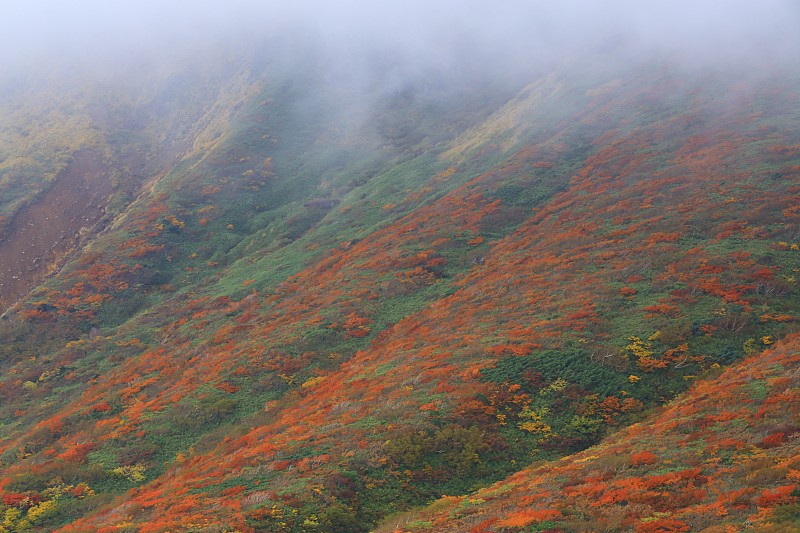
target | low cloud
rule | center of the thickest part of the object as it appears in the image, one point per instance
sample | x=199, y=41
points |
x=45, y=33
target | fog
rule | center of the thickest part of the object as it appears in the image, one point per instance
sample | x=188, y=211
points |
x=41, y=35
x=141, y=79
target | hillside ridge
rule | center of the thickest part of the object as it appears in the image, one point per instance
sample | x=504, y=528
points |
x=684, y=468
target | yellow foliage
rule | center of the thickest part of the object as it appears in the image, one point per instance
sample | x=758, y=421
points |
x=47, y=374
x=535, y=422
x=56, y=492
x=43, y=509
x=10, y=517
x=749, y=346
x=132, y=473
x=533, y=426
x=643, y=351
x=558, y=385
x=639, y=348
x=310, y=382
x=172, y=219
x=74, y=343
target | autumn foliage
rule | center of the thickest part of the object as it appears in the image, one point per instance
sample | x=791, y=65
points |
x=373, y=344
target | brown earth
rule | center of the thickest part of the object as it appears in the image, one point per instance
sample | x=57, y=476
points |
x=42, y=235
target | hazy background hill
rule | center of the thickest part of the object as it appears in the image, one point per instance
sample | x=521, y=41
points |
x=307, y=268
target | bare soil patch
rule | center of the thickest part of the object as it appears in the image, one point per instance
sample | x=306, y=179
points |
x=42, y=235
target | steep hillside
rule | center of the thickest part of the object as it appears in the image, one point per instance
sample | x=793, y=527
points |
x=321, y=316
x=723, y=457
x=75, y=150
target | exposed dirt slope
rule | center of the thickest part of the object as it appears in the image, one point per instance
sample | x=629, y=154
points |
x=44, y=233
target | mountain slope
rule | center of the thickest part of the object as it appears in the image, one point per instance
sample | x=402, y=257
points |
x=722, y=457
x=75, y=150
x=312, y=323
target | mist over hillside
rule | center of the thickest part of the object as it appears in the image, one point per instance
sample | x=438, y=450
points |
x=104, y=41
x=399, y=266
